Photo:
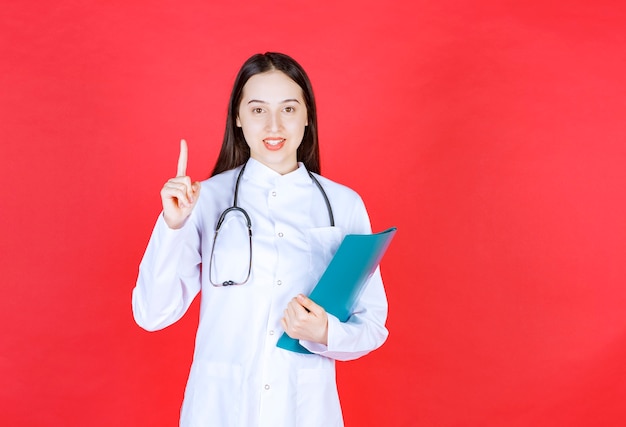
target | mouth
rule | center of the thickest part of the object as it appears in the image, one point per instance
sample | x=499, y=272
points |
x=274, y=143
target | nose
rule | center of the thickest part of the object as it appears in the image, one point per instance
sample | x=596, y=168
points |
x=274, y=122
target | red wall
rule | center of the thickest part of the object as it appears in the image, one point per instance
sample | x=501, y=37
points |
x=492, y=134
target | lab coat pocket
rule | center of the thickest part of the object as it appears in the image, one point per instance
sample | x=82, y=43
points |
x=318, y=400
x=323, y=243
x=231, y=253
x=213, y=394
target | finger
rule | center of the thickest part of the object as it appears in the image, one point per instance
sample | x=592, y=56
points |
x=288, y=329
x=308, y=304
x=291, y=311
x=182, y=159
x=181, y=180
x=297, y=315
x=184, y=182
x=195, y=189
x=177, y=193
x=182, y=186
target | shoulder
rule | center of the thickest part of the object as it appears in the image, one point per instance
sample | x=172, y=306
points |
x=338, y=190
x=217, y=191
x=220, y=180
x=347, y=205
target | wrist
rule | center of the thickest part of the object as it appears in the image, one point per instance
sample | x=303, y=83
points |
x=173, y=223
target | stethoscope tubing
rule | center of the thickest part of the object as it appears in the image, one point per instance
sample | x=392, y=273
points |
x=236, y=208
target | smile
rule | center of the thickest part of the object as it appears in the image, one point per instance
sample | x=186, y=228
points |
x=274, y=143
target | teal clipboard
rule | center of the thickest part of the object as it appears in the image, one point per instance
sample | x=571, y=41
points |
x=343, y=280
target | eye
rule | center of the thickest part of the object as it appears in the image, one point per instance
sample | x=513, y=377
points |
x=257, y=110
x=289, y=109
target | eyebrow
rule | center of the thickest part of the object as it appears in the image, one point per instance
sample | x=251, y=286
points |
x=282, y=102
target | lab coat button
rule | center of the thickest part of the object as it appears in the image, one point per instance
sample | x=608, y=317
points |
x=279, y=282
x=267, y=386
x=273, y=194
x=280, y=234
x=271, y=332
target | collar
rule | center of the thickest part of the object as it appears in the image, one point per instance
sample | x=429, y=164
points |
x=261, y=174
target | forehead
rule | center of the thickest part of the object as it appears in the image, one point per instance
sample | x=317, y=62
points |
x=271, y=86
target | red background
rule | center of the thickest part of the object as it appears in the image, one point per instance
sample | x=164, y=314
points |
x=492, y=134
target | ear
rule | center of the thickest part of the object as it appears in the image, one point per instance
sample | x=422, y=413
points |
x=238, y=122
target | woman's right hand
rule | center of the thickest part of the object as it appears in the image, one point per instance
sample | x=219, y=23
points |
x=179, y=195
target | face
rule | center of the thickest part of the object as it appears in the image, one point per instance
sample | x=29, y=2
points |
x=273, y=118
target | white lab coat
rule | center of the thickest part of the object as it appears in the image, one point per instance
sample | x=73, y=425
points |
x=238, y=376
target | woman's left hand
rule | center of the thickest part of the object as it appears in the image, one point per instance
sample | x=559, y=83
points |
x=305, y=320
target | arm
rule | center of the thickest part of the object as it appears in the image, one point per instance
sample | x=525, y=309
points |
x=169, y=276
x=364, y=331
x=169, y=273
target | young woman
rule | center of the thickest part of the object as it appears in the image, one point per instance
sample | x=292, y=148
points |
x=255, y=238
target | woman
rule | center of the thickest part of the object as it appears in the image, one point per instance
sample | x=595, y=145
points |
x=253, y=288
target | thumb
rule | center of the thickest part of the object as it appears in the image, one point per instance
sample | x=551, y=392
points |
x=309, y=304
x=195, y=188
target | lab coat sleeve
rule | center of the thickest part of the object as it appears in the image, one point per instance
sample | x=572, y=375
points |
x=169, y=275
x=365, y=330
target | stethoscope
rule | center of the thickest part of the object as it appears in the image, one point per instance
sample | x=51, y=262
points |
x=235, y=208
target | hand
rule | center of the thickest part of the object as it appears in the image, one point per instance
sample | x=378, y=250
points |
x=305, y=320
x=179, y=195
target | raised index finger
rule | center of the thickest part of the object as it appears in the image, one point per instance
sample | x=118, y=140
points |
x=182, y=159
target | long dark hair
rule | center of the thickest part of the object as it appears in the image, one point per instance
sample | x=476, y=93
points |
x=235, y=151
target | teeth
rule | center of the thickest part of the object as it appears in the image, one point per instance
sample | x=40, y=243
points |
x=273, y=141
